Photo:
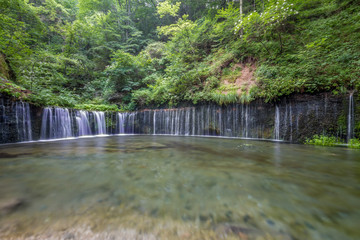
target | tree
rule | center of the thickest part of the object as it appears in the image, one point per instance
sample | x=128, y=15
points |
x=272, y=20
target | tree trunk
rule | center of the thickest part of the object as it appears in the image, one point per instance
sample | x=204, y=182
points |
x=128, y=11
x=263, y=5
x=241, y=7
x=241, y=13
x=281, y=43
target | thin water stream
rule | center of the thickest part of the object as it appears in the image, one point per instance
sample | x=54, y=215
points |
x=166, y=186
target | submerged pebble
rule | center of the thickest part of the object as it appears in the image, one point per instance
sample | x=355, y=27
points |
x=9, y=205
x=309, y=226
x=270, y=222
x=69, y=236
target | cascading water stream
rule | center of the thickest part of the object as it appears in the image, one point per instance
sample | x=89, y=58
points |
x=351, y=118
x=56, y=123
x=100, y=126
x=83, y=124
x=277, y=123
x=154, y=122
x=121, y=123
x=23, y=121
x=187, y=121
x=204, y=120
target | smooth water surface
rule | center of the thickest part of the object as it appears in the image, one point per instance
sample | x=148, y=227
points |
x=296, y=191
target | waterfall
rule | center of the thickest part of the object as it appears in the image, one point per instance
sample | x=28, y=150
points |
x=46, y=124
x=56, y=123
x=187, y=121
x=220, y=122
x=288, y=120
x=100, y=127
x=246, y=121
x=131, y=123
x=193, y=121
x=201, y=120
x=154, y=122
x=237, y=120
x=351, y=118
x=277, y=123
x=83, y=124
x=23, y=121
x=121, y=123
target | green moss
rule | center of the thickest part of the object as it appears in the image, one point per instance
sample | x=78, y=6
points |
x=223, y=99
x=99, y=107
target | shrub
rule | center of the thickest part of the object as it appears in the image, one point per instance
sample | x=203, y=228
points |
x=100, y=107
x=354, y=143
x=323, y=140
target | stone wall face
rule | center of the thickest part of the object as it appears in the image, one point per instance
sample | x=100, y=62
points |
x=293, y=119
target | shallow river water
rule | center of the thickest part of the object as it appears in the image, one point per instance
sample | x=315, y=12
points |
x=163, y=187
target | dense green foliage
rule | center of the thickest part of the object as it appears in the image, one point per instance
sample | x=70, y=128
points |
x=354, y=143
x=87, y=53
x=98, y=107
x=296, y=46
x=323, y=140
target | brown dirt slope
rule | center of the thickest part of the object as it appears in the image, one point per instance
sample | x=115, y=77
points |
x=244, y=81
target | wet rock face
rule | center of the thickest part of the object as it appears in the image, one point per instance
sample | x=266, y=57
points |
x=303, y=115
x=293, y=118
x=19, y=121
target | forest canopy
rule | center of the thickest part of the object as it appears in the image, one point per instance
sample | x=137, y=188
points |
x=137, y=53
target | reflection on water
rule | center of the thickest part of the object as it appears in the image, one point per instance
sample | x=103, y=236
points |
x=248, y=188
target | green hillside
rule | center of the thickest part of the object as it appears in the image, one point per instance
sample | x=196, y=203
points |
x=92, y=54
